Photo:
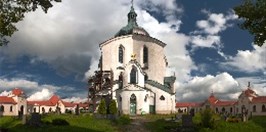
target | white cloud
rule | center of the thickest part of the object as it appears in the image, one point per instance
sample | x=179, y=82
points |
x=44, y=94
x=197, y=89
x=258, y=84
x=248, y=61
x=207, y=35
x=93, y=67
x=76, y=99
x=5, y=93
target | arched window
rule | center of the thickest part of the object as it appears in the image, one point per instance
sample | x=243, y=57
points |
x=121, y=54
x=146, y=77
x=43, y=110
x=231, y=109
x=145, y=54
x=216, y=109
x=162, y=98
x=254, y=108
x=223, y=109
x=133, y=75
x=2, y=108
x=11, y=108
x=263, y=109
x=133, y=98
x=120, y=81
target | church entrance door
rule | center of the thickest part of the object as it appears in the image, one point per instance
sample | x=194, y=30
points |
x=133, y=105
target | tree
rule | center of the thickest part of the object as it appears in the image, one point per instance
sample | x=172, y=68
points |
x=254, y=14
x=12, y=11
x=113, y=107
x=102, y=107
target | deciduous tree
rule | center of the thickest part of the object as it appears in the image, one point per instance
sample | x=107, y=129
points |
x=13, y=11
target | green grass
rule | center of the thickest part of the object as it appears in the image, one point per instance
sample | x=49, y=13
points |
x=81, y=123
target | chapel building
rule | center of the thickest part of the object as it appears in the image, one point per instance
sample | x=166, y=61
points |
x=133, y=72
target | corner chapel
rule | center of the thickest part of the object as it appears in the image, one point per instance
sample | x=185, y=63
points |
x=132, y=71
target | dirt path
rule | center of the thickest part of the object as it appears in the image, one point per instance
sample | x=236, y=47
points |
x=137, y=124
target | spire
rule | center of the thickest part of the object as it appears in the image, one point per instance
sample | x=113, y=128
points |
x=248, y=84
x=132, y=15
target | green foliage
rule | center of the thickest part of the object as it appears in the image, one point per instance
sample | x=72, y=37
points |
x=102, y=107
x=123, y=120
x=12, y=11
x=207, y=118
x=254, y=14
x=113, y=107
x=60, y=122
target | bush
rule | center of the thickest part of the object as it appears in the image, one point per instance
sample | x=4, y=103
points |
x=207, y=118
x=123, y=120
x=102, y=107
x=60, y=122
x=113, y=107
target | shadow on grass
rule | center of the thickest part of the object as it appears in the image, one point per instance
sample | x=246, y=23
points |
x=50, y=128
x=260, y=121
x=161, y=125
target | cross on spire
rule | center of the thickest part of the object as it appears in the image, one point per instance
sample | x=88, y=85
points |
x=132, y=1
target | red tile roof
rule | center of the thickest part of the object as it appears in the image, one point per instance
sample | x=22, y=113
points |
x=225, y=103
x=54, y=99
x=83, y=105
x=212, y=99
x=69, y=104
x=17, y=91
x=187, y=104
x=249, y=92
x=259, y=99
x=46, y=103
x=7, y=100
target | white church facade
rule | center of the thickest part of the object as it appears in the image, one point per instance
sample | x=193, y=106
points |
x=133, y=72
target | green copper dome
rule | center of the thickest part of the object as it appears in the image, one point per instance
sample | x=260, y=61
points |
x=132, y=25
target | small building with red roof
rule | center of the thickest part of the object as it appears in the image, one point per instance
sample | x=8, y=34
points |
x=248, y=102
x=13, y=104
x=54, y=104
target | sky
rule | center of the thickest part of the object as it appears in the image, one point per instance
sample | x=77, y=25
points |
x=55, y=53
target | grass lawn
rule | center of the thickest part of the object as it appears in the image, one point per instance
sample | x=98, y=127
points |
x=81, y=123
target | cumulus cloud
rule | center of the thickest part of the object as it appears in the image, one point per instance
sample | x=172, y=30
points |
x=76, y=99
x=198, y=89
x=248, y=60
x=258, y=83
x=25, y=84
x=5, y=93
x=207, y=34
x=44, y=94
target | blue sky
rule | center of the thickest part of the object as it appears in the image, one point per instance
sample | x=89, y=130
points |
x=55, y=53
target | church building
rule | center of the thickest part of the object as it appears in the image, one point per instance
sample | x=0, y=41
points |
x=132, y=71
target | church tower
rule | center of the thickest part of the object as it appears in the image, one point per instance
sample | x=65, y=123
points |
x=132, y=69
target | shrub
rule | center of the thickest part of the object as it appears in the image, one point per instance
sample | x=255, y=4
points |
x=60, y=122
x=102, y=107
x=207, y=118
x=113, y=107
x=123, y=120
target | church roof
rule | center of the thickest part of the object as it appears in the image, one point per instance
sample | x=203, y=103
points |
x=7, y=100
x=132, y=26
x=17, y=91
x=259, y=99
x=159, y=85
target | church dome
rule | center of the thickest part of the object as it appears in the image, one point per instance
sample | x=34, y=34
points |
x=132, y=26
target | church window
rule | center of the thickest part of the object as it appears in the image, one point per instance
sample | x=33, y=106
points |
x=254, y=108
x=2, y=108
x=263, y=109
x=121, y=54
x=133, y=98
x=34, y=110
x=216, y=110
x=120, y=99
x=11, y=108
x=231, y=109
x=145, y=99
x=162, y=98
x=145, y=54
x=133, y=75
x=120, y=81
